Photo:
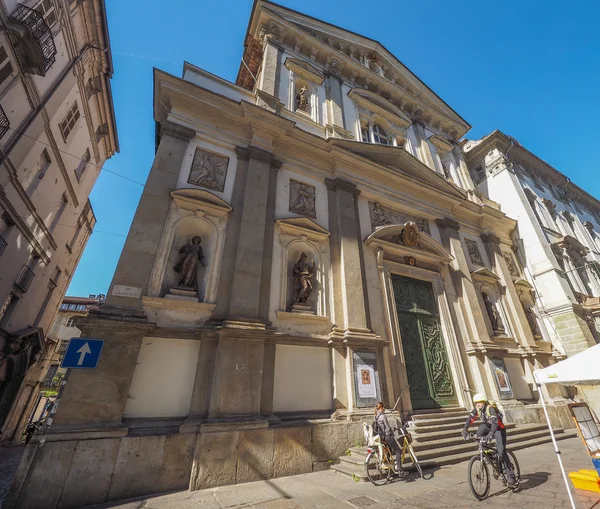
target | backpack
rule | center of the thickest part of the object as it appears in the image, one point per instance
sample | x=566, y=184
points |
x=495, y=406
x=377, y=428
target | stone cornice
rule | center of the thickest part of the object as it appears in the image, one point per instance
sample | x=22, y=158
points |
x=176, y=130
x=343, y=185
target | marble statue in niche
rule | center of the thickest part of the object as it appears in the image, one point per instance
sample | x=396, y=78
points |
x=303, y=275
x=532, y=320
x=301, y=100
x=208, y=170
x=474, y=252
x=302, y=199
x=187, y=266
x=493, y=315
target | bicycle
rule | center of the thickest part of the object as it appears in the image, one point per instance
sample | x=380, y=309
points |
x=478, y=471
x=381, y=461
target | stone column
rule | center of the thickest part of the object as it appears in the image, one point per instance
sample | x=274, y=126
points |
x=462, y=169
x=269, y=76
x=350, y=298
x=333, y=89
x=137, y=258
x=520, y=325
x=245, y=301
x=423, y=145
x=204, y=375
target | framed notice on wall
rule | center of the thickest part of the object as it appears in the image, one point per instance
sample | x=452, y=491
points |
x=587, y=427
x=502, y=378
x=366, y=379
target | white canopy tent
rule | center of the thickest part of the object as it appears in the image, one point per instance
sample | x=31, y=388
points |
x=581, y=369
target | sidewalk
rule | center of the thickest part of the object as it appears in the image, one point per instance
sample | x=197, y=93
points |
x=10, y=457
x=542, y=488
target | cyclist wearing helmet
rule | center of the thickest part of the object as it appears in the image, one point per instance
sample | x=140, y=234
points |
x=491, y=427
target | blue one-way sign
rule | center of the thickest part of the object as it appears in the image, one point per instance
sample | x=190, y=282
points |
x=82, y=353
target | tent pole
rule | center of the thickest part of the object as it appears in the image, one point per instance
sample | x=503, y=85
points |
x=562, y=469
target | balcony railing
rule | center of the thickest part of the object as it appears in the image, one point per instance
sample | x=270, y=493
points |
x=4, y=123
x=39, y=30
x=25, y=278
x=3, y=244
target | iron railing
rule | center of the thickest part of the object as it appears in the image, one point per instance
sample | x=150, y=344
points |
x=3, y=244
x=25, y=278
x=4, y=123
x=40, y=31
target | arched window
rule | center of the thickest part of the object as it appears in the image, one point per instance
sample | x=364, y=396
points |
x=379, y=135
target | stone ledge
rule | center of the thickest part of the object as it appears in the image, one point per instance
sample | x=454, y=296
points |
x=302, y=317
x=178, y=304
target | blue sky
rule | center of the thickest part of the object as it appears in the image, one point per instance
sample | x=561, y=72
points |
x=529, y=68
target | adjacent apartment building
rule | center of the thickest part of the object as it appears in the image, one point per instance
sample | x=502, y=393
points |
x=308, y=243
x=57, y=128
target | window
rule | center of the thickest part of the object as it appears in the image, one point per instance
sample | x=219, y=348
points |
x=379, y=135
x=69, y=322
x=82, y=164
x=7, y=308
x=61, y=348
x=32, y=180
x=364, y=134
x=46, y=9
x=64, y=307
x=56, y=276
x=6, y=68
x=27, y=273
x=5, y=224
x=68, y=124
x=478, y=174
x=81, y=307
x=62, y=205
x=50, y=374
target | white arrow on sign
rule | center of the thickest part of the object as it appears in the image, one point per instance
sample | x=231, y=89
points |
x=83, y=351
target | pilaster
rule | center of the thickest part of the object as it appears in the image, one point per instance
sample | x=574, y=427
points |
x=424, y=148
x=333, y=89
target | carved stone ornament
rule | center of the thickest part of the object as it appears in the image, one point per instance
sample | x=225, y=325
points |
x=474, y=253
x=493, y=315
x=410, y=260
x=208, y=170
x=187, y=266
x=303, y=274
x=410, y=235
x=302, y=199
x=301, y=100
x=510, y=263
x=383, y=216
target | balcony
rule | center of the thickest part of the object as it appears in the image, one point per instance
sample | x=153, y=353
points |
x=25, y=278
x=35, y=47
x=4, y=123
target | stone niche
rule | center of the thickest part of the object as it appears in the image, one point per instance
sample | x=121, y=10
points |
x=296, y=236
x=193, y=213
x=490, y=292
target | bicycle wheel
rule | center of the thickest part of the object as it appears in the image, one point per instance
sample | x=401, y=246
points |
x=479, y=478
x=516, y=470
x=376, y=471
x=415, y=461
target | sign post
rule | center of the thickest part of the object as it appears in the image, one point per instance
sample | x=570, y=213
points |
x=82, y=353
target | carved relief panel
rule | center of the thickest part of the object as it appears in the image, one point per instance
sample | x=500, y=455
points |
x=474, y=253
x=382, y=216
x=302, y=199
x=208, y=170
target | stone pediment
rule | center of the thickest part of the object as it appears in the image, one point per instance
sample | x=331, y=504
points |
x=302, y=226
x=485, y=276
x=200, y=201
x=389, y=238
x=399, y=159
x=377, y=104
x=305, y=70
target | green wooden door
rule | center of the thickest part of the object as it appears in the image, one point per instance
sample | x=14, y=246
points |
x=427, y=366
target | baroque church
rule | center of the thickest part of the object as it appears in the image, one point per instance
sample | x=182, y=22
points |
x=309, y=242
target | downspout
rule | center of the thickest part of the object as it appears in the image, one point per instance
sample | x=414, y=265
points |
x=32, y=116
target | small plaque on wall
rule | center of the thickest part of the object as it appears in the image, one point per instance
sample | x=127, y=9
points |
x=366, y=379
x=126, y=291
x=502, y=379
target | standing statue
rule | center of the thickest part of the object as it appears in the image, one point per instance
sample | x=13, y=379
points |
x=532, y=320
x=303, y=274
x=301, y=100
x=187, y=265
x=494, y=316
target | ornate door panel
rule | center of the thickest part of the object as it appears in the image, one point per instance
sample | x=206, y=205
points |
x=427, y=365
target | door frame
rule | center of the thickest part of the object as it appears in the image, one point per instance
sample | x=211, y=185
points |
x=457, y=367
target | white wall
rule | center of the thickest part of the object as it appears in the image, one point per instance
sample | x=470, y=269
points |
x=163, y=380
x=303, y=379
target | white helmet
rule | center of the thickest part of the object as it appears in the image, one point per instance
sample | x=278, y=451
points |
x=479, y=398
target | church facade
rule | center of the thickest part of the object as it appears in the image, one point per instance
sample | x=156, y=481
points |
x=309, y=242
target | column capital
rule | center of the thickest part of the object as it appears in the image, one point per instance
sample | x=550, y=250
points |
x=489, y=238
x=176, y=130
x=343, y=185
x=252, y=152
x=446, y=222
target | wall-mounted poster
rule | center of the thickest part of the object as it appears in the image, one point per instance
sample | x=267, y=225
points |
x=587, y=427
x=502, y=378
x=366, y=379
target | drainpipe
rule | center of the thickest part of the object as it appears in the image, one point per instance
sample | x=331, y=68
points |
x=32, y=116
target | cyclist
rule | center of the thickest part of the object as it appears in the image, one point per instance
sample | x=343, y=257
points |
x=387, y=434
x=492, y=428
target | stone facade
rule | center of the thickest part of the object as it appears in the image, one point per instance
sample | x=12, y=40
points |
x=57, y=128
x=362, y=177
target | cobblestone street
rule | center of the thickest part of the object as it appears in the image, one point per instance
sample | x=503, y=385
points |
x=9, y=462
x=542, y=488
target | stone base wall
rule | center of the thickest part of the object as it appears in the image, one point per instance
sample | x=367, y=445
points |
x=530, y=414
x=73, y=473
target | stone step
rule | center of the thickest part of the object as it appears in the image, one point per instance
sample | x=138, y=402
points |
x=439, y=421
x=357, y=469
x=429, y=441
x=447, y=433
x=459, y=412
x=438, y=411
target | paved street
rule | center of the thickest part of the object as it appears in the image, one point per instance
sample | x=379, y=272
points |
x=9, y=462
x=542, y=488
